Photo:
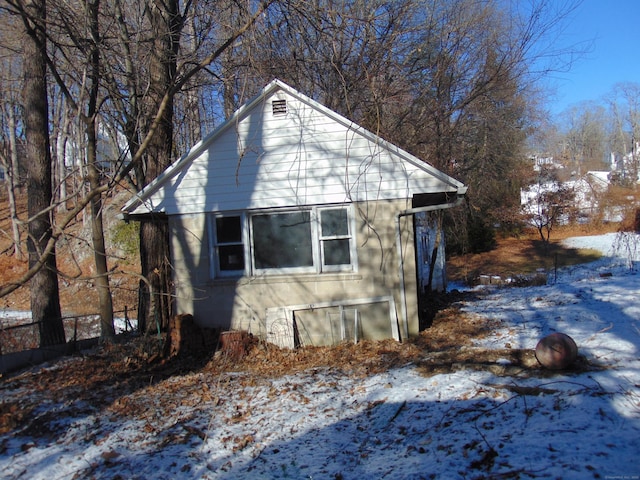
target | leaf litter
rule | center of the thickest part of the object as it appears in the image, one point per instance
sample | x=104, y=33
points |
x=465, y=399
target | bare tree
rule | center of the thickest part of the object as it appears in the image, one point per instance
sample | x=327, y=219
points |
x=624, y=104
x=97, y=229
x=166, y=24
x=11, y=129
x=45, y=297
x=584, y=138
x=9, y=106
x=552, y=204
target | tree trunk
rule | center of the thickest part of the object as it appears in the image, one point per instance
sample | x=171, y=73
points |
x=154, y=235
x=12, y=173
x=61, y=154
x=17, y=249
x=45, y=296
x=154, y=308
x=107, y=332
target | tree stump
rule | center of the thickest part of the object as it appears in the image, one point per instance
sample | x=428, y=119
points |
x=179, y=333
x=187, y=337
x=234, y=344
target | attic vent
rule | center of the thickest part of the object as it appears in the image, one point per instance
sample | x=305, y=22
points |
x=279, y=107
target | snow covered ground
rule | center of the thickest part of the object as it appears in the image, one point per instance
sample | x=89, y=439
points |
x=323, y=424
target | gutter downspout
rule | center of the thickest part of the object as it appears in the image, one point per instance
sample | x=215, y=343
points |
x=403, y=296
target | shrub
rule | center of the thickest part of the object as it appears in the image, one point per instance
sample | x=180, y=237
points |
x=125, y=238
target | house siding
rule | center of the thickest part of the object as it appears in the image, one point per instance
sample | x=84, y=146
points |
x=242, y=303
x=254, y=164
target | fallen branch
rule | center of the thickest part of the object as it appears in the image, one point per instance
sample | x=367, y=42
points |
x=600, y=331
x=402, y=405
x=521, y=390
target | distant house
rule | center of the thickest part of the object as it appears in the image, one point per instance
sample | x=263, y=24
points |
x=294, y=223
x=586, y=195
x=540, y=163
x=625, y=168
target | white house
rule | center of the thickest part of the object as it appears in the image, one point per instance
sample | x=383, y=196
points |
x=294, y=223
x=626, y=166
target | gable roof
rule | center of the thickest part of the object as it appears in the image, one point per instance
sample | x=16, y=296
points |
x=289, y=153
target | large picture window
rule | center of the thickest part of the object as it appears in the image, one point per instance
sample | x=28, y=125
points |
x=282, y=240
x=316, y=240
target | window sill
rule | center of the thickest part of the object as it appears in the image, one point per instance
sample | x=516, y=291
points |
x=300, y=278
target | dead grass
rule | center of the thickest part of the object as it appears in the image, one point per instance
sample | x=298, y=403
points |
x=525, y=255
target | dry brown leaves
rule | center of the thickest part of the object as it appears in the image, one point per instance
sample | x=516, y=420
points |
x=122, y=379
x=450, y=331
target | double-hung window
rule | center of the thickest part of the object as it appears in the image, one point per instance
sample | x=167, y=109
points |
x=335, y=239
x=228, y=245
x=313, y=240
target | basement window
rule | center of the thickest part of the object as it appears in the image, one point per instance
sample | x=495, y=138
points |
x=279, y=107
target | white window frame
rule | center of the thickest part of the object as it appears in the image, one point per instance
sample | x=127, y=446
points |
x=214, y=258
x=349, y=236
x=287, y=270
x=317, y=240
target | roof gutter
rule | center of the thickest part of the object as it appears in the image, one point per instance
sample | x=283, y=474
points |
x=126, y=217
x=405, y=213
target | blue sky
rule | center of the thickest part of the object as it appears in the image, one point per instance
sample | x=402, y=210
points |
x=614, y=27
